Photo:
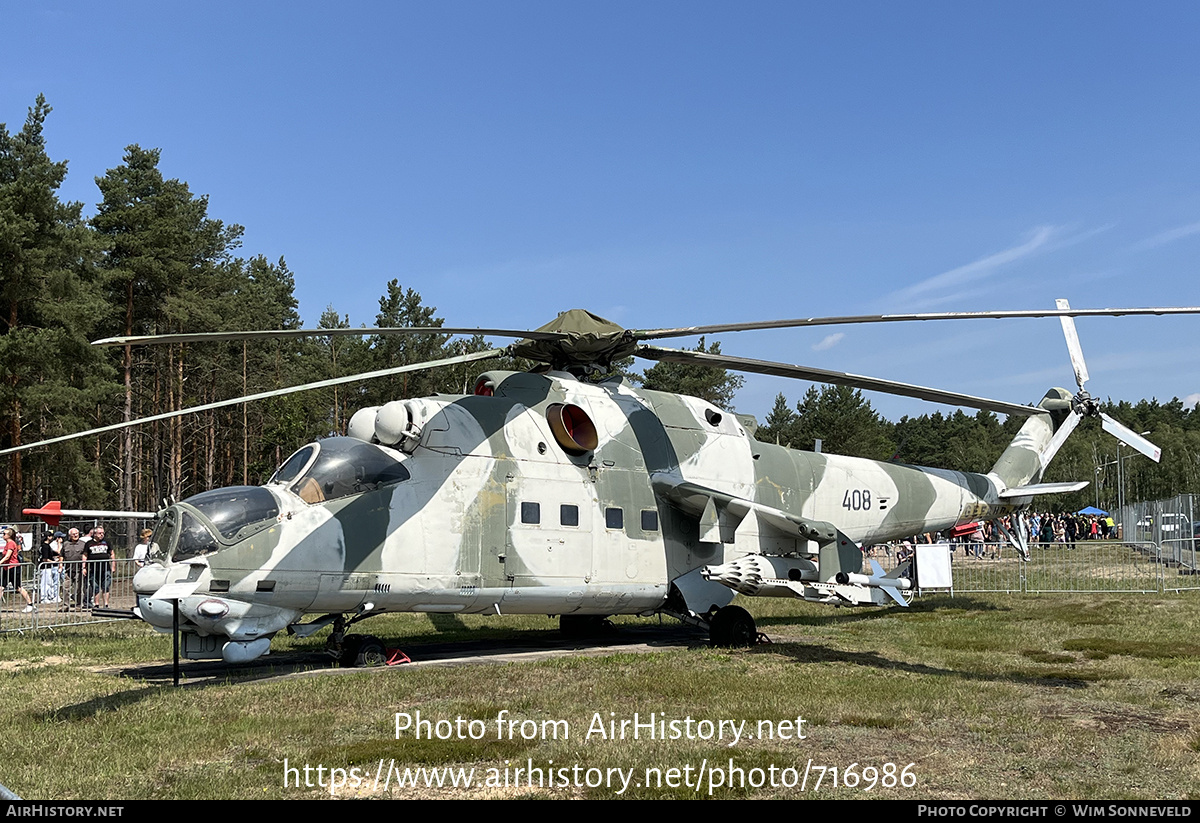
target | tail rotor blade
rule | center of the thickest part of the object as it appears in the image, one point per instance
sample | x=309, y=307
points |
x=1083, y=404
x=1060, y=437
x=1130, y=437
x=1068, y=326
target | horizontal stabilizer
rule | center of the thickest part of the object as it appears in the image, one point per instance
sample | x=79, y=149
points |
x=1043, y=488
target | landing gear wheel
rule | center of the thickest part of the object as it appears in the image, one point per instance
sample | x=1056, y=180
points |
x=371, y=652
x=349, y=654
x=732, y=627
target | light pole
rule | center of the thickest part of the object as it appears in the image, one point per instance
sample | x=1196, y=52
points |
x=1121, y=477
x=1120, y=480
x=1098, y=470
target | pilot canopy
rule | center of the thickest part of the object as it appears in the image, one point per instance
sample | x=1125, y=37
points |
x=338, y=467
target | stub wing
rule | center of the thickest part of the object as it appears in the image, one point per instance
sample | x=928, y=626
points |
x=835, y=577
x=721, y=513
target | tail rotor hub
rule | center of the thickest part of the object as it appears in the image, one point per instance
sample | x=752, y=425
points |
x=1085, y=405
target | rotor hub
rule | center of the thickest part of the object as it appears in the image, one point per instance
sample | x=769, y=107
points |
x=1085, y=405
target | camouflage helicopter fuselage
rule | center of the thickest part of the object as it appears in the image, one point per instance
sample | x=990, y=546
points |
x=543, y=494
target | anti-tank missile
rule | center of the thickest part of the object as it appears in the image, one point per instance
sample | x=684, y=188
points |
x=889, y=585
x=876, y=581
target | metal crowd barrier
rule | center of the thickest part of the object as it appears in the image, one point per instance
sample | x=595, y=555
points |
x=1085, y=566
x=1181, y=556
x=66, y=594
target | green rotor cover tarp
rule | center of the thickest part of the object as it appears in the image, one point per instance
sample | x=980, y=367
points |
x=592, y=340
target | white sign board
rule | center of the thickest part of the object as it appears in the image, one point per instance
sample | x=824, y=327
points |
x=933, y=566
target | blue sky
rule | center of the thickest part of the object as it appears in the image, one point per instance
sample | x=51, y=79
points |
x=678, y=163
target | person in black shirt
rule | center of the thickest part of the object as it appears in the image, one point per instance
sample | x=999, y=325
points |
x=102, y=564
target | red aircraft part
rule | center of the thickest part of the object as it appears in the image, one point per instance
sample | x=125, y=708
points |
x=51, y=513
x=964, y=529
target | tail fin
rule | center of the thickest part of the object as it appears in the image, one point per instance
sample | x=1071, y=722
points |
x=1025, y=458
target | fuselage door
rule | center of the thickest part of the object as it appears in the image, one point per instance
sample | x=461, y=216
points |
x=550, y=525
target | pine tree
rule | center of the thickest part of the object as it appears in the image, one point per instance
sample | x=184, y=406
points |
x=716, y=385
x=162, y=273
x=49, y=376
x=779, y=426
x=840, y=418
x=402, y=308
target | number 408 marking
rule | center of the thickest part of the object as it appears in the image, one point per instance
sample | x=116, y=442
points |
x=858, y=500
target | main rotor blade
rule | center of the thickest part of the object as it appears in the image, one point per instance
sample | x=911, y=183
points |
x=692, y=331
x=841, y=378
x=354, y=378
x=267, y=334
x=1130, y=437
x=1073, y=347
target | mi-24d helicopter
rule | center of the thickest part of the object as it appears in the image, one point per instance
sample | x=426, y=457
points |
x=542, y=493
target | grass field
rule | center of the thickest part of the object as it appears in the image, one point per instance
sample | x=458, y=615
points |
x=1007, y=697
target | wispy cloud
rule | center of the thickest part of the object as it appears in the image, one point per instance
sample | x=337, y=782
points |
x=1170, y=236
x=949, y=285
x=1191, y=400
x=829, y=342
x=982, y=267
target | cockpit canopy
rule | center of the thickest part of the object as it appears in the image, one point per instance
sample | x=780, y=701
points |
x=337, y=467
x=202, y=522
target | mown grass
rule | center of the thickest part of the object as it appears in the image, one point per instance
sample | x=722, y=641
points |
x=1080, y=697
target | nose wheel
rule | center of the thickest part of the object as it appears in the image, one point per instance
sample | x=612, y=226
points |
x=362, y=651
x=354, y=650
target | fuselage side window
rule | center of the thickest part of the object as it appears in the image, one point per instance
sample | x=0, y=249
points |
x=568, y=515
x=649, y=520
x=614, y=518
x=531, y=513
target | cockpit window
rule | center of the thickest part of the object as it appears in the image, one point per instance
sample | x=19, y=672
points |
x=343, y=466
x=232, y=509
x=294, y=465
x=163, y=539
x=204, y=522
x=194, y=539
